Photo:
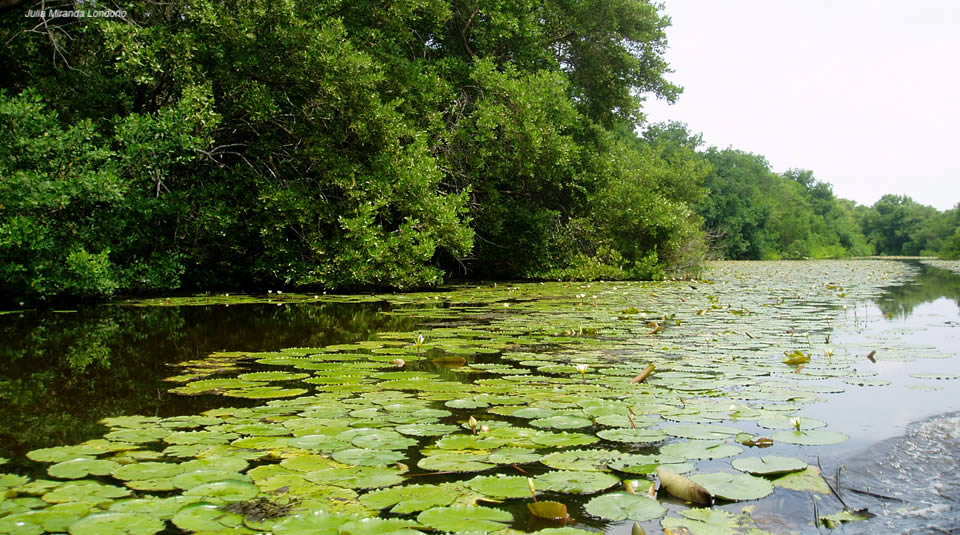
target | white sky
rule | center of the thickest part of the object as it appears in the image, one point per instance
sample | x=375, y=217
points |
x=865, y=93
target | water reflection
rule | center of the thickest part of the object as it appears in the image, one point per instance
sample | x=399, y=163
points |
x=929, y=284
x=62, y=372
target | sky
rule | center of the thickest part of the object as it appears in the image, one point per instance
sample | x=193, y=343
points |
x=864, y=93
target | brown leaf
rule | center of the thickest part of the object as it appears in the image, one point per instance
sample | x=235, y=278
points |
x=683, y=487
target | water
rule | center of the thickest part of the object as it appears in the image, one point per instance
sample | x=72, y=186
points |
x=64, y=371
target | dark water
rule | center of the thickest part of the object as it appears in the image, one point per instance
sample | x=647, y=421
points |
x=61, y=372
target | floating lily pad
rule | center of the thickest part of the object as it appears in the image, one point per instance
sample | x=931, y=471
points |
x=701, y=449
x=808, y=480
x=113, y=523
x=382, y=439
x=426, y=430
x=734, y=487
x=457, y=519
x=82, y=467
x=272, y=376
x=618, y=506
x=589, y=460
x=148, y=470
x=564, y=439
x=562, y=422
x=501, y=486
x=368, y=457
x=456, y=462
x=710, y=522
x=380, y=526
x=702, y=431
x=513, y=456
x=816, y=437
x=632, y=436
x=357, y=477
x=228, y=491
x=769, y=465
x=410, y=498
x=575, y=482
x=80, y=491
x=202, y=516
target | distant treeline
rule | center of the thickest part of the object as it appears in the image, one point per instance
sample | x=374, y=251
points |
x=750, y=212
x=340, y=145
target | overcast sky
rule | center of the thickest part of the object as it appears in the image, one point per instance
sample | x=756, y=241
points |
x=865, y=93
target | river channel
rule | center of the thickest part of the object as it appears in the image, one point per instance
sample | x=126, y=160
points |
x=173, y=414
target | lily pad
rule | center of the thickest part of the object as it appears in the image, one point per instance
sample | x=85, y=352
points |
x=368, y=457
x=457, y=519
x=456, y=462
x=228, y=491
x=564, y=439
x=501, y=486
x=426, y=430
x=410, y=498
x=632, y=436
x=589, y=460
x=734, y=487
x=82, y=467
x=618, y=506
x=808, y=480
x=769, y=465
x=562, y=422
x=203, y=516
x=113, y=523
x=815, y=437
x=701, y=449
x=358, y=477
x=575, y=482
x=702, y=431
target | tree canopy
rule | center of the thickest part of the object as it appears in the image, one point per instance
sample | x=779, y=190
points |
x=338, y=145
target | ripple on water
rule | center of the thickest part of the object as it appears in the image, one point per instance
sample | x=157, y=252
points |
x=913, y=480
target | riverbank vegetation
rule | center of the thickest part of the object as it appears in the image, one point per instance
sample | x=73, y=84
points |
x=203, y=145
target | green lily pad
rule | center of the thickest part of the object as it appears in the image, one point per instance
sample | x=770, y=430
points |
x=456, y=462
x=113, y=523
x=816, y=437
x=357, y=477
x=426, y=430
x=410, y=498
x=470, y=442
x=228, y=491
x=501, y=486
x=618, y=506
x=203, y=516
x=710, y=522
x=575, y=482
x=458, y=519
x=808, y=480
x=769, y=465
x=513, y=456
x=785, y=422
x=380, y=526
x=189, y=480
x=382, y=439
x=82, y=467
x=368, y=457
x=701, y=449
x=562, y=422
x=84, y=491
x=588, y=460
x=272, y=376
x=632, y=436
x=314, y=523
x=563, y=440
x=148, y=470
x=60, y=454
x=702, y=431
x=734, y=487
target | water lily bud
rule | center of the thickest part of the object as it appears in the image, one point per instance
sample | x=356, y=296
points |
x=473, y=422
x=484, y=428
x=399, y=363
x=533, y=488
